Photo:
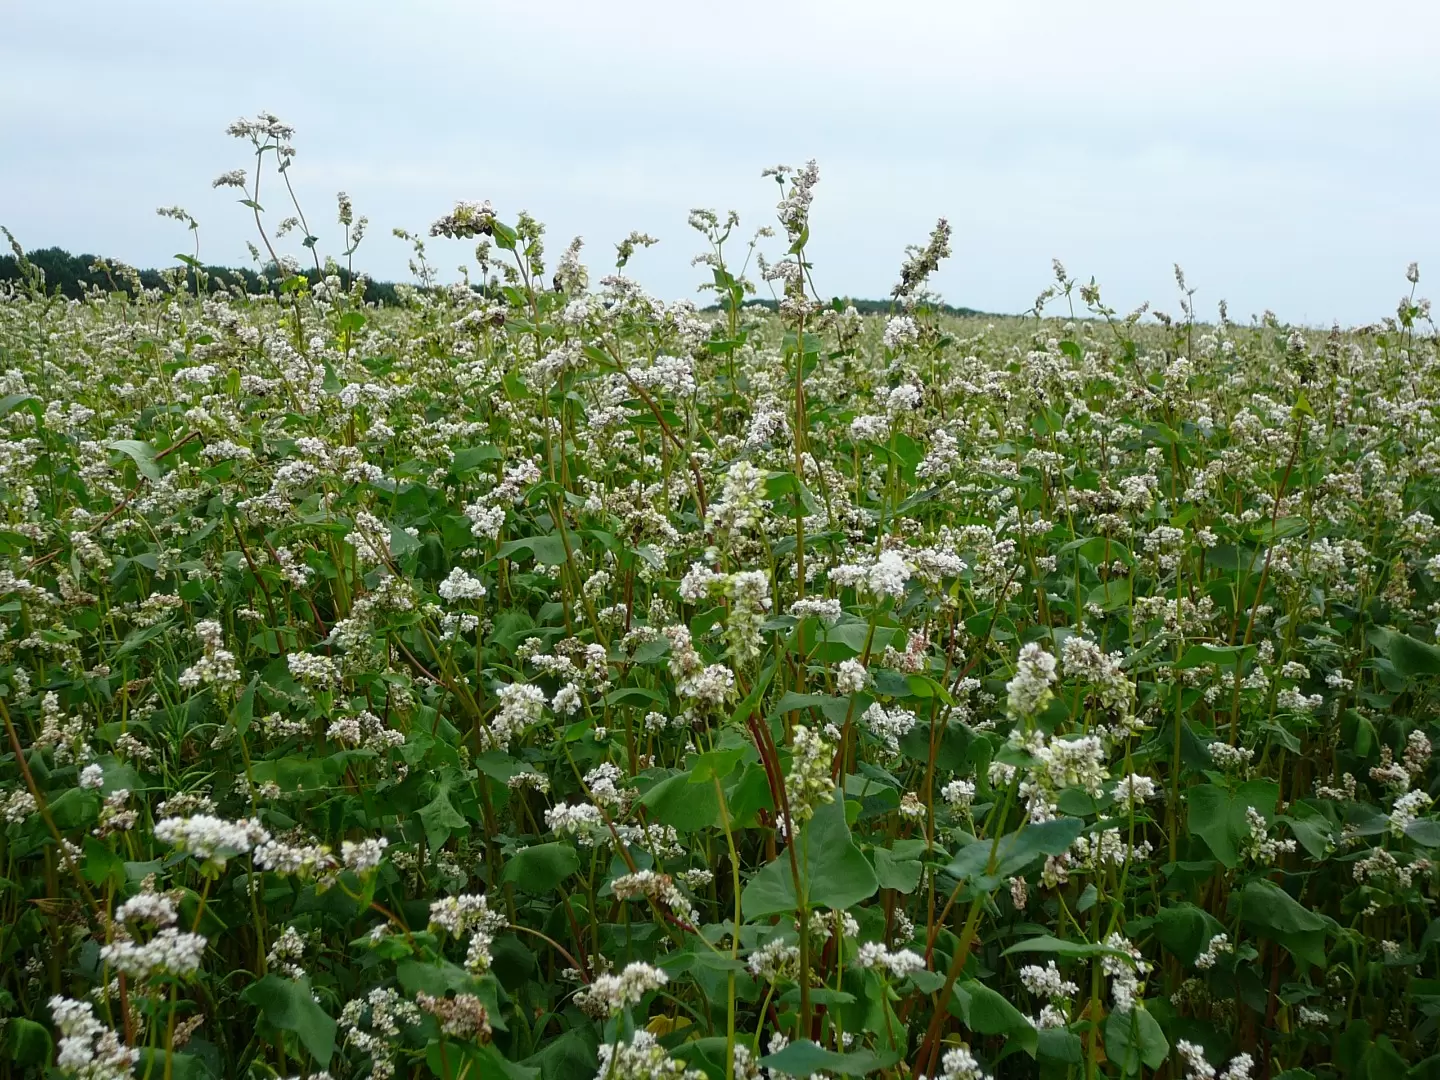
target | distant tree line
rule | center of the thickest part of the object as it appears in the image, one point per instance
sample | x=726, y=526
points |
x=72, y=275
x=868, y=307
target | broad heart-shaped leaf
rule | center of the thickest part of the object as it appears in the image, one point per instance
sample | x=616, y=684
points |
x=142, y=453
x=1410, y=657
x=402, y=543
x=540, y=868
x=1311, y=827
x=455, y=1059
x=572, y=1057
x=547, y=550
x=1132, y=1036
x=952, y=752
x=288, y=1004
x=986, y=1012
x=441, y=818
x=803, y=1057
x=834, y=872
x=1015, y=852
x=1217, y=814
x=1047, y=944
x=1276, y=914
x=687, y=807
x=1186, y=930
x=899, y=867
x=25, y=1042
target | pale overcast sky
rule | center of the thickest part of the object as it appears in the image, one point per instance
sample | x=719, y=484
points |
x=1283, y=153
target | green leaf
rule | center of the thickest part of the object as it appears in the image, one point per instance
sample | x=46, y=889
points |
x=716, y=765
x=469, y=457
x=688, y=808
x=540, y=868
x=1276, y=914
x=1015, y=852
x=402, y=543
x=1185, y=929
x=1410, y=656
x=832, y=708
x=899, y=868
x=1133, y=1037
x=1110, y=596
x=142, y=453
x=1217, y=814
x=833, y=870
x=1047, y=944
x=289, y=1006
x=1222, y=655
x=547, y=550
x=441, y=819
x=952, y=754
x=988, y=1013
x=25, y=1042
x=803, y=1057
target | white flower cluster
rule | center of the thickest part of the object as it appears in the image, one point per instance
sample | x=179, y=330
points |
x=387, y=1011
x=708, y=684
x=461, y=586
x=809, y=783
x=216, y=666
x=1085, y=662
x=775, y=960
x=574, y=819
x=364, y=730
x=1047, y=982
x=642, y=1058
x=959, y=1064
x=827, y=611
x=899, y=963
x=1127, y=973
x=1059, y=763
x=851, y=677
x=1217, y=945
x=1234, y=759
x=1257, y=845
x=363, y=856
x=1132, y=791
x=890, y=726
x=879, y=577
x=1197, y=1068
x=303, y=857
x=151, y=907
x=469, y=913
x=169, y=952
x=1029, y=690
x=88, y=1049
x=211, y=838
x=611, y=993
x=1407, y=808
x=660, y=888
x=521, y=707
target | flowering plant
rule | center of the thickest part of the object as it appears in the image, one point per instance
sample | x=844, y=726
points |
x=533, y=679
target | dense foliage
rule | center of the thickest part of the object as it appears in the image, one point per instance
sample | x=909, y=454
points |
x=73, y=276
x=537, y=681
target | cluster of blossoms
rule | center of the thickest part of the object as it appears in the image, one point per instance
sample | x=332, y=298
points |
x=87, y=1048
x=216, y=666
x=469, y=914
x=898, y=963
x=419, y=587
x=209, y=838
x=610, y=993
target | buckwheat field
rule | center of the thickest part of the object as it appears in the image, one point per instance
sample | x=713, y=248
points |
x=533, y=680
